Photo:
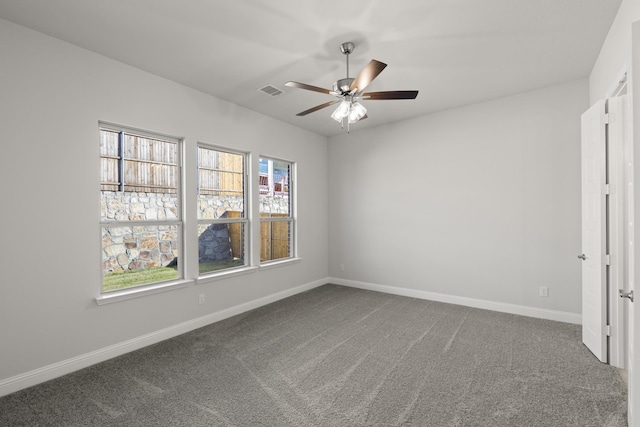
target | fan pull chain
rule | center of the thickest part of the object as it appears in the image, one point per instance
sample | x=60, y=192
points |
x=347, y=118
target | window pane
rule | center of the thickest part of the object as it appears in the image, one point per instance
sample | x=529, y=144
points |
x=109, y=160
x=139, y=178
x=220, y=246
x=275, y=238
x=135, y=256
x=275, y=202
x=150, y=165
x=274, y=187
x=221, y=197
x=220, y=184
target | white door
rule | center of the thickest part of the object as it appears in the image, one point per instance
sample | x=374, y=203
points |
x=618, y=171
x=594, y=299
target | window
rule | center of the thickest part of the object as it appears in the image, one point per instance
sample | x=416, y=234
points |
x=140, y=208
x=222, y=222
x=276, y=210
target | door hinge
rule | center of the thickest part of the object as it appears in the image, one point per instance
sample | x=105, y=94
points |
x=605, y=119
x=607, y=189
x=607, y=259
x=607, y=330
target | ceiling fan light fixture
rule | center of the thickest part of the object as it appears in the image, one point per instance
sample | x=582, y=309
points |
x=356, y=112
x=350, y=90
x=341, y=112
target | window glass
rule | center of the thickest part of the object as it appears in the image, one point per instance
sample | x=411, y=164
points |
x=222, y=222
x=140, y=208
x=276, y=210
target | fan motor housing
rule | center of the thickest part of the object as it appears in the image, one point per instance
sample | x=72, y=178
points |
x=343, y=85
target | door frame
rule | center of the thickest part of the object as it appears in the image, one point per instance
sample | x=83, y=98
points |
x=633, y=323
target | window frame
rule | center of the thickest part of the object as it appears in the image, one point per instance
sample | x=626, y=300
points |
x=290, y=219
x=244, y=220
x=105, y=297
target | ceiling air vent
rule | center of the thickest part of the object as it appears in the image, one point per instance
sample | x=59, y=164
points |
x=271, y=90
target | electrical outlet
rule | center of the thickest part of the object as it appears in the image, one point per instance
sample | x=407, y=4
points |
x=544, y=291
x=201, y=299
x=341, y=267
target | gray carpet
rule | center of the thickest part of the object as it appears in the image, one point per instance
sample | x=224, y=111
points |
x=337, y=356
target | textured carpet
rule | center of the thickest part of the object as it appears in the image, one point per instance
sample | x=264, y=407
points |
x=337, y=356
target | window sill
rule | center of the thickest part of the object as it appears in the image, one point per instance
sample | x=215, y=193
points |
x=225, y=274
x=279, y=263
x=128, y=294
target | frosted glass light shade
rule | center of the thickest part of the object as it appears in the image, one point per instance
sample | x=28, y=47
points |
x=341, y=112
x=357, y=112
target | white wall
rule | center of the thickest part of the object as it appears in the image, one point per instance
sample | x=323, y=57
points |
x=52, y=96
x=479, y=202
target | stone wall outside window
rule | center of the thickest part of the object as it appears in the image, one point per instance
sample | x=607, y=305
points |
x=140, y=247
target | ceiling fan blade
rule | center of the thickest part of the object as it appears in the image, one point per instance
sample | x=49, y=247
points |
x=392, y=94
x=367, y=75
x=317, y=107
x=308, y=87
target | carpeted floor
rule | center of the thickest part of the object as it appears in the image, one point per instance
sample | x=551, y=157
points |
x=338, y=356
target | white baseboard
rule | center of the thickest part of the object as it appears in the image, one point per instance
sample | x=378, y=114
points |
x=541, y=313
x=46, y=373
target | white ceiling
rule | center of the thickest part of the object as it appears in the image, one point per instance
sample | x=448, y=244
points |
x=455, y=52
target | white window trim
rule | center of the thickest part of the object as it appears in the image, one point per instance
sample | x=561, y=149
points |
x=138, y=132
x=268, y=265
x=139, y=291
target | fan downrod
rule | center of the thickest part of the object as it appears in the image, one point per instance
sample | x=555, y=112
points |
x=342, y=86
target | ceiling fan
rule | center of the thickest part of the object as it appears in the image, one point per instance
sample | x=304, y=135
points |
x=350, y=91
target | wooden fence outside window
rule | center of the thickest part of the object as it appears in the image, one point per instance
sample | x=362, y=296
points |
x=137, y=164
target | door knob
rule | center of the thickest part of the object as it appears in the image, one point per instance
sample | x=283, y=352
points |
x=582, y=257
x=624, y=294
